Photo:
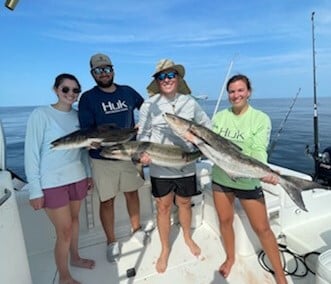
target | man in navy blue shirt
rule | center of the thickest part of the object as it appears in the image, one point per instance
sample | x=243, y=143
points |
x=110, y=103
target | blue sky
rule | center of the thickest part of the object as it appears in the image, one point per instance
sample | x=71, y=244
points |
x=268, y=40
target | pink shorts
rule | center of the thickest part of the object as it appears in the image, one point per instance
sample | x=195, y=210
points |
x=56, y=197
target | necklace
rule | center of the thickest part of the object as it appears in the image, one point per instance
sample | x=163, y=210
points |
x=173, y=103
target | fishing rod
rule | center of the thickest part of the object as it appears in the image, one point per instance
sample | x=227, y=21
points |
x=322, y=161
x=282, y=124
x=316, y=153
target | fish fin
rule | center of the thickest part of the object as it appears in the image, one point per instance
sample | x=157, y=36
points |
x=107, y=126
x=305, y=184
x=294, y=186
x=140, y=170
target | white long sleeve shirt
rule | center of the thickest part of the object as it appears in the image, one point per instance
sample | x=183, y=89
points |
x=45, y=167
x=153, y=128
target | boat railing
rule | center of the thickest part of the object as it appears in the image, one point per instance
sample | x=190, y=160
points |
x=6, y=196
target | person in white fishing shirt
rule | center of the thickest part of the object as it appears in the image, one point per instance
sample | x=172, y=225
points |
x=58, y=179
x=170, y=93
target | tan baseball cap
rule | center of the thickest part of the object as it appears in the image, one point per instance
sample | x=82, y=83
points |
x=99, y=59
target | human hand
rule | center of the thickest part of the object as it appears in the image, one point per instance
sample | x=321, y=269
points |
x=37, y=203
x=189, y=136
x=90, y=184
x=145, y=159
x=270, y=178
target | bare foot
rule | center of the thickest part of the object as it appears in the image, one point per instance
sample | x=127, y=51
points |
x=225, y=268
x=162, y=262
x=194, y=248
x=83, y=263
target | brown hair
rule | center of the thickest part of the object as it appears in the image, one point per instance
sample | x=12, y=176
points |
x=60, y=78
x=239, y=77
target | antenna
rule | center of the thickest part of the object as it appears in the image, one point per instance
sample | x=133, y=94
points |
x=223, y=88
x=316, y=142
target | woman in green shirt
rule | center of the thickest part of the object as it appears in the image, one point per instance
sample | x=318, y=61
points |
x=250, y=129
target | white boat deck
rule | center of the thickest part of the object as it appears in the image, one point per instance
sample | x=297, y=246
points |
x=183, y=267
x=304, y=232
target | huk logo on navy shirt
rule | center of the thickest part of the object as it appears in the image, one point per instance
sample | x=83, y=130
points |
x=111, y=107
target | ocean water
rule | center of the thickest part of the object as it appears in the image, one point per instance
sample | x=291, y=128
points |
x=290, y=136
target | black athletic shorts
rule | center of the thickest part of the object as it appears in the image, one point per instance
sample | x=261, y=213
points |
x=185, y=186
x=256, y=193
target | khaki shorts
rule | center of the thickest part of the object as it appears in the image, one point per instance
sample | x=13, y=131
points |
x=111, y=177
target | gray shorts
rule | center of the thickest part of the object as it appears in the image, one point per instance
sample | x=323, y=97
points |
x=111, y=177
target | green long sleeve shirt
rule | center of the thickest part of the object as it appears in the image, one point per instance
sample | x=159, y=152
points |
x=251, y=132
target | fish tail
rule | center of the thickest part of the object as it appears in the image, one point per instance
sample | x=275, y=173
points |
x=294, y=186
x=304, y=184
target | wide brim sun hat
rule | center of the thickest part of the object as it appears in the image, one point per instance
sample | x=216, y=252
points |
x=165, y=64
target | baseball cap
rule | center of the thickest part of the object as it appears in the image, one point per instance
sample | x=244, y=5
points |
x=99, y=59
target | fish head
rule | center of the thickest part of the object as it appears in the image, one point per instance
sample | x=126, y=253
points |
x=76, y=139
x=178, y=124
x=182, y=127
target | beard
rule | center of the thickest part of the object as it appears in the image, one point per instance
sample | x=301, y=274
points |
x=105, y=84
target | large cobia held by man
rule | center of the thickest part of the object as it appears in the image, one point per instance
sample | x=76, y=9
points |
x=228, y=156
x=105, y=134
x=160, y=154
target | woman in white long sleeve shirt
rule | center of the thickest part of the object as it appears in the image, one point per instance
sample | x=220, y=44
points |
x=169, y=93
x=58, y=179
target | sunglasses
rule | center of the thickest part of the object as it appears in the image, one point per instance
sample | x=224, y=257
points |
x=99, y=70
x=66, y=90
x=169, y=75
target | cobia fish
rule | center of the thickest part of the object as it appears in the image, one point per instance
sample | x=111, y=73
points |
x=105, y=134
x=160, y=154
x=229, y=157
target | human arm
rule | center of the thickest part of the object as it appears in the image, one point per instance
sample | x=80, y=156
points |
x=144, y=129
x=32, y=156
x=37, y=203
x=261, y=137
x=90, y=183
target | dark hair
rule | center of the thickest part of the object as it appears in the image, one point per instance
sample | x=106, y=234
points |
x=239, y=77
x=60, y=78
